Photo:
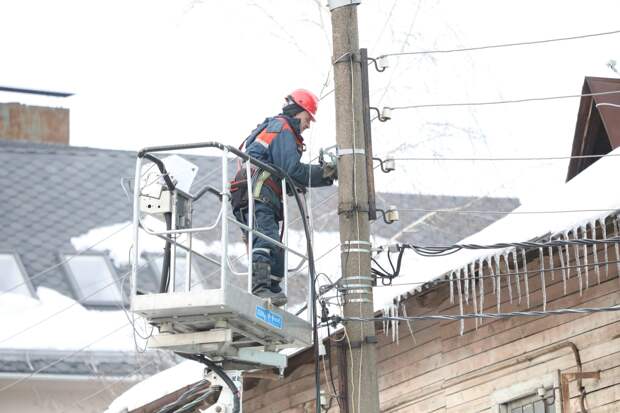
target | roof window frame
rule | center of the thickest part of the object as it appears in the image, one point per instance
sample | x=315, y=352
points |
x=22, y=270
x=66, y=257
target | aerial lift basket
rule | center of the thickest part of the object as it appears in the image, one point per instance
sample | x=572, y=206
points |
x=227, y=324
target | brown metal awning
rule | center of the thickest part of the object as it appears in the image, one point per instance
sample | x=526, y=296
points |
x=597, y=131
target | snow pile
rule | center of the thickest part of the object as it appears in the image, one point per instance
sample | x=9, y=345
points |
x=56, y=322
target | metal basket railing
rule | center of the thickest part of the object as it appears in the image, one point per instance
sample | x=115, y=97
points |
x=223, y=219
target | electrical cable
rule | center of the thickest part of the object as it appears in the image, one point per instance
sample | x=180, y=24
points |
x=521, y=158
x=505, y=274
x=451, y=249
x=611, y=105
x=191, y=392
x=513, y=212
x=189, y=406
x=457, y=317
x=65, y=261
x=121, y=278
x=331, y=373
x=114, y=383
x=502, y=45
x=221, y=373
x=60, y=360
x=165, y=267
x=500, y=102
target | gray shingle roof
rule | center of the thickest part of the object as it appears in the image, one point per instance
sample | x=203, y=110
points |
x=55, y=192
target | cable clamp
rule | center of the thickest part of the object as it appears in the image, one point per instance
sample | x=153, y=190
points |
x=350, y=278
x=350, y=151
x=346, y=249
x=366, y=290
x=350, y=250
x=334, y=4
x=356, y=241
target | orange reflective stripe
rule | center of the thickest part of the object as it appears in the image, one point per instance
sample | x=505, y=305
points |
x=266, y=137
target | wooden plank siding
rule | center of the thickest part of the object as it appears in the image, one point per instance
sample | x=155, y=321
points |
x=439, y=370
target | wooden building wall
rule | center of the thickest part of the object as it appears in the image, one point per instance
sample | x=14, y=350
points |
x=439, y=370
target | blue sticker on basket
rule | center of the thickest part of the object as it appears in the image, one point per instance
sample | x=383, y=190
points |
x=269, y=317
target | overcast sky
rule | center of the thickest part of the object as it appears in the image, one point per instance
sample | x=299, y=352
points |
x=159, y=72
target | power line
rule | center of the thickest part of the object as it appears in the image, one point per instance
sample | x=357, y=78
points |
x=65, y=308
x=523, y=158
x=451, y=249
x=499, y=102
x=60, y=360
x=115, y=382
x=612, y=105
x=505, y=274
x=66, y=260
x=450, y=211
x=501, y=45
x=457, y=317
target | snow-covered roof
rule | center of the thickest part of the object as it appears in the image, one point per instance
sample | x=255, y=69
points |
x=158, y=385
x=589, y=195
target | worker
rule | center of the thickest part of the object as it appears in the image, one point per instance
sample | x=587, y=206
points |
x=277, y=141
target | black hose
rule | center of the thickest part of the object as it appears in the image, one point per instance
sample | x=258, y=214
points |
x=312, y=270
x=162, y=169
x=165, y=267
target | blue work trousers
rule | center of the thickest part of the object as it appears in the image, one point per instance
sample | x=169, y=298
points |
x=265, y=221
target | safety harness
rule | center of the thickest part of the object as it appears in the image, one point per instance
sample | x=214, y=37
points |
x=259, y=177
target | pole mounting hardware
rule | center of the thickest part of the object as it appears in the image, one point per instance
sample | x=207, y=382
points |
x=390, y=215
x=381, y=63
x=387, y=165
x=383, y=115
x=334, y=4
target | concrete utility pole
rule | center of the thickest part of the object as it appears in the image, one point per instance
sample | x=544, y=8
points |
x=362, y=387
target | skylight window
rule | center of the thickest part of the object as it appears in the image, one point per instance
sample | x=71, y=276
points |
x=13, y=278
x=93, y=279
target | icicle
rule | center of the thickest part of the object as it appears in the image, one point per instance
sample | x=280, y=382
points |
x=396, y=322
x=466, y=283
x=584, y=233
x=526, y=278
x=394, y=311
x=504, y=257
x=482, y=279
x=615, y=220
x=563, y=265
x=386, y=325
x=516, y=263
x=541, y=258
x=498, y=283
x=606, y=246
x=567, y=248
x=551, y=266
x=597, y=270
x=578, y=260
x=452, y=287
x=472, y=272
x=409, y=323
x=492, y=273
x=460, y=293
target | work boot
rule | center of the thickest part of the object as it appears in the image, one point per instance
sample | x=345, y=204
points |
x=261, y=283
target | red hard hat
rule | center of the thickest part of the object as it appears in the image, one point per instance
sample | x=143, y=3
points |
x=306, y=100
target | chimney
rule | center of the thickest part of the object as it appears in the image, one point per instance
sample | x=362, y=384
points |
x=34, y=123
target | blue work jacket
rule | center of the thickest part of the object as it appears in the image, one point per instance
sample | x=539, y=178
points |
x=278, y=142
